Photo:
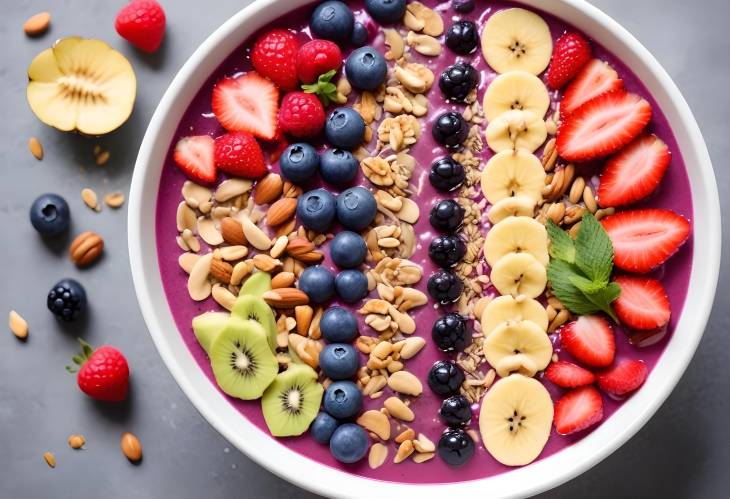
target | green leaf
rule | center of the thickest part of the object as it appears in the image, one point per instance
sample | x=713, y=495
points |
x=604, y=297
x=586, y=285
x=560, y=273
x=562, y=246
x=593, y=250
x=323, y=88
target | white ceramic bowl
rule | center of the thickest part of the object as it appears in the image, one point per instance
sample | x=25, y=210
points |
x=520, y=482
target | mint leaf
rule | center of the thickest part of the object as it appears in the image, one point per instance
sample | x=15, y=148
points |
x=604, y=297
x=561, y=245
x=593, y=250
x=559, y=273
x=585, y=285
x=323, y=88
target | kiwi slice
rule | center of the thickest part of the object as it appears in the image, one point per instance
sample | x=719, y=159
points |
x=242, y=361
x=256, y=285
x=253, y=308
x=292, y=401
x=207, y=326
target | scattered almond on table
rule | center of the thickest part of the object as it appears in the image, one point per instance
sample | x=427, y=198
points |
x=131, y=447
x=37, y=24
x=18, y=325
x=36, y=148
x=50, y=459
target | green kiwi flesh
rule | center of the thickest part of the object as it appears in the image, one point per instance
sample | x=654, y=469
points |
x=249, y=307
x=292, y=401
x=256, y=285
x=207, y=326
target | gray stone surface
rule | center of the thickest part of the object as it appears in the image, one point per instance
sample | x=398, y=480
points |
x=683, y=451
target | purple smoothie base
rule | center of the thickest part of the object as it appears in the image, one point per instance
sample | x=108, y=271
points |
x=674, y=194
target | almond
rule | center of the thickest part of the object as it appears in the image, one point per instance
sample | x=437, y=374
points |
x=283, y=280
x=311, y=257
x=303, y=315
x=37, y=24
x=281, y=211
x=376, y=422
x=131, y=447
x=221, y=270
x=266, y=264
x=298, y=246
x=86, y=248
x=232, y=231
x=398, y=409
x=268, y=189
x=291, y=190
x=286, y=298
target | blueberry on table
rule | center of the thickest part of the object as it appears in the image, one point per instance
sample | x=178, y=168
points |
x=50, y=215
x=447, y=215
x=316, y=210
x=299, y=162
x=450, y=333
x=323, y=427
x=455, y=411
x=332, y=20
x=318, y=283
x=386, y=11
x=446, y=174
x=338, y=166
x=366, y=68
x=344, y=128
x=339, y=361
x=67, y=299
x=342, y=399
x=444, y=287
x=458, y=80
x=348, y=249
x=450, y=130
x=462, y=37
x=349, y=443
x=446, y=250
x=445, y=378
x=338, y=325
x=455, y=447
x=356, y=208
x=351, y=286
x=360, y=35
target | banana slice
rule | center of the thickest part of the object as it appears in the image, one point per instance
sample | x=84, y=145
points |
x=517, y=206
x=517, y=39
x=516, y=90
x=519, y=274
x=513, y=173
x=516, y=129
x=517, y=235
x=510, y=309
x=521, y=347
x=515, y=420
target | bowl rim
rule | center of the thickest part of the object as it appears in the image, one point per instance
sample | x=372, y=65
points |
x=519, y=482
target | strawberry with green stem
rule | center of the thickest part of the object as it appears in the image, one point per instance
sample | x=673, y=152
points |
x=103, y=374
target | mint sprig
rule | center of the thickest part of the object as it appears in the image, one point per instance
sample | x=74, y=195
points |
x=579, y=270
x=323, y=88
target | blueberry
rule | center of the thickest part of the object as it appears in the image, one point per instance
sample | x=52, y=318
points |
x=360, y=35
x=351, y=286
x=386, y=11
x=455, y=447
x=446, y=250
x=366, y=68
x=463, y=6
x=356, y=208
x=316, y=209
x=338, y=166
x=450, y=333
x=445, y=378
x=447, y=215
x=339, y=361
x=349, y=443
x=67, y=299
x=323, y=427
x=444, y=286
x=450, y=129
x=338, y=325
x=446, y=174
x=50, y=215
x=299, y=162
x=318, y=283
x=344, y=128
x=342, y=399
x=348, y=249
x=332, y=20
x=462, y=37
x=457, y=81
x=455, y=411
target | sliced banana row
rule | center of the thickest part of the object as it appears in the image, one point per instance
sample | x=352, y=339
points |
x=517, y=40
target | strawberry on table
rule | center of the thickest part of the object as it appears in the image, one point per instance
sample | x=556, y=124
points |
x=248, y=103
x=577, y=410
x=141, y=23
x=274, y=55
x=568, y=375
x=643, y=303
x=634, y=172
x=194, y=156
x=644, y=239
x=624, y=377
x=301, y=115
x=238, y=153
x=596, y=78
x=570, y=54
x=602, y=126
x=103, y=373
x=590, y=339
x=317, y=57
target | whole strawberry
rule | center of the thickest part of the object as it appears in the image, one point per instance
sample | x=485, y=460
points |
x=142, y=23
x=238, y=153
x=301, y=115
x=317, y=57
x=104, y=373
x=274, y=56
x=570, y=54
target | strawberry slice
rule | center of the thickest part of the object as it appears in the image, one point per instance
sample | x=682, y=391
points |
x=602, y=126
x=643, y=303
x=590, y=340
x=625, y=377
x=568, y=375
x=644, y=239
x=248, y=103
x=634, y=173
x=194, y=156
x=596, y=78
x=577, y=410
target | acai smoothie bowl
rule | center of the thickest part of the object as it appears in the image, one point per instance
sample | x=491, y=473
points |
x=401, y=247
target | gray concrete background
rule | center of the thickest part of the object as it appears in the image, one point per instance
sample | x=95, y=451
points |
x=683, y=451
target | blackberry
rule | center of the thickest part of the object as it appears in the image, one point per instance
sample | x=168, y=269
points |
x=446, y=174
x=446, y=250
x=444, y=287
x=450, y=130
x=462, y=37
x=455, y=411
x=450, y=333
x=463, y=6
x=67, y=299
x=458, y=80
x=447, y=215
x=455, y=447
x=445, y=378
